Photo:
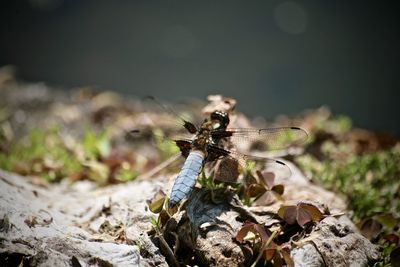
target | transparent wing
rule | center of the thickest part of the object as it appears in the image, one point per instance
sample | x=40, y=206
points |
x=167, y=146
x=170, y=115
x=270, y=138
x=279, y=168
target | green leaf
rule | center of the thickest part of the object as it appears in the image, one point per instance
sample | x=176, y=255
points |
x=157, y=203
x=154, y=222
x=96, y=145
x=387, y=220
x=125, y=175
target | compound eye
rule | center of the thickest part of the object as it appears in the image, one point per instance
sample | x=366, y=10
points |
x=215, y=115
x=221, y=117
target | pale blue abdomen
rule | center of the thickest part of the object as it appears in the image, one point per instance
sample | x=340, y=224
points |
x=186, y=179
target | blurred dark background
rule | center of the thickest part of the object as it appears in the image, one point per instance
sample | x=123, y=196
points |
x=274, y=57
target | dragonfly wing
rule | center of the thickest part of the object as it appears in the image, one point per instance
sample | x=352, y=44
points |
x=271, y=138
x=184, y=146
x=174, y=118
x=226, y=170
x=279, y=168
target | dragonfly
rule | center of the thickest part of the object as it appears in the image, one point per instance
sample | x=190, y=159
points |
x=209, y=145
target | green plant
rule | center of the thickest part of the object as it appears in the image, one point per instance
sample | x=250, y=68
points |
x=262, y=240
x=166, y=147
x=41, y=153
x=369, y=181
x=208, y=182
x=96, y=145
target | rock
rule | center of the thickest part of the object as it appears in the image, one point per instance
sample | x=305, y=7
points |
x=58, y=226
x=207, y=229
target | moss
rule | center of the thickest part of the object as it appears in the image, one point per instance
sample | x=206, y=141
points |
x=166, y=147
x=96, y=145
x=40, y=153
x=370, y=182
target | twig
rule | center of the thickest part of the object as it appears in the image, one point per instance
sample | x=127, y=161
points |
x=167, y=250
x=264, y=246
x=159, y=167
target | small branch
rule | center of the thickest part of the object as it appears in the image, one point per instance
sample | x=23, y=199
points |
x=159, y=167
x=264, y=246
x=168, y=251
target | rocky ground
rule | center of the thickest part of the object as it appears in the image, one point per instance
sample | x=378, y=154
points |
x=77, y=189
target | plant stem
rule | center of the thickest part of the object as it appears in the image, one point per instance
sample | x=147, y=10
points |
x=264, y=246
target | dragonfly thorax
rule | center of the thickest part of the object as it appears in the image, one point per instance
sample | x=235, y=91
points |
x=218, y=121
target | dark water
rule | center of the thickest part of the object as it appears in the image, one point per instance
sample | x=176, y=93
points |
x=274, y=57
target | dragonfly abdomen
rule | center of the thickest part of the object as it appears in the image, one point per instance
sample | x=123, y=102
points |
x=186, y=178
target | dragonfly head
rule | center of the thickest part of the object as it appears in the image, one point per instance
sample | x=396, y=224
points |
x=220, y=119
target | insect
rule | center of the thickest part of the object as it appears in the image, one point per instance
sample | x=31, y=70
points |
x=208, y=145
